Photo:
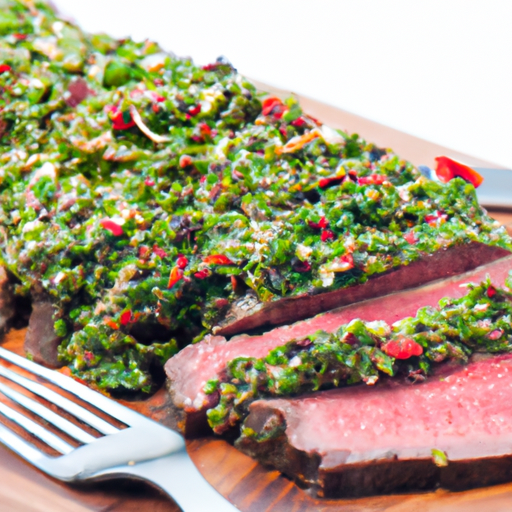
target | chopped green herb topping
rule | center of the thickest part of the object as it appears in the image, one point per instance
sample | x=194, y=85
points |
x=143, y=195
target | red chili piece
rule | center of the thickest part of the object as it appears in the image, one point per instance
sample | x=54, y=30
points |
x=120, y=120
x=159, y=252
x=321, y=224
x=491, y=291
x=4, y=68
x=144, y=251
x=300, y=121
x=126, y=317
x=373, y=179
x=402, y=348
x=111, y=226
x=20, y=37
x=176, y=275
x=411, y=237
x=202, y=274
x=193, y=111
x=327, y=182
x=217, y=259
x=182, y=262
x=185, y=161
x=327, y=234
x=447, y=169
x=88, y=356
x=273, y=106
x=432, y=219
x=205, y=130
x=108, y=321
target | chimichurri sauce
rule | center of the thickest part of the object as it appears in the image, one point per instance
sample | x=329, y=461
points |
x=142, y=194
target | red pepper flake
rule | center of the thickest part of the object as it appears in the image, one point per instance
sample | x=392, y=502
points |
x=185, y=161
x=20, y=37
x=205, y=130
x=434, y=219
x=120, y=120
x=302, y=266
x=126, y=317
x=88, y=356
x=372, y=179
x=327, y=182
x=182, y=262
x=350, y=338
x=202, y=274
x=111, y=226
x=4, y=68
x=321, y=224
x=202, y=179
x=144, y=252
x=149, y=182
x=159, y=252
x=402, y=348
x=217, y=259
x=491, y=292
x=300, y=121
x=158, y=82
x=108, y=321
x=410, y=236
x=175, y=276
x=196, y=109
x=495, y=335
x=447, y=169
x=273, y=106
x=327, y=234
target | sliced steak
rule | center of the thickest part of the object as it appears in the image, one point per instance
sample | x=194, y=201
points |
x=41, y=342
x=189, y=370
x=453, y=431
x=248, y=313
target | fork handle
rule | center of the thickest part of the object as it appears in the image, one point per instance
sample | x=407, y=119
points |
x=181, y=480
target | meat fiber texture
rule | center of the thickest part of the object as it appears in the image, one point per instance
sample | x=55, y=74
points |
x=453, y=431
x=189, y=370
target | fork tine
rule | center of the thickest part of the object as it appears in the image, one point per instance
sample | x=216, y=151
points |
x=35, y=429
x=117, y=411
x=43, y=412
x=79, y=412
x=21, y=447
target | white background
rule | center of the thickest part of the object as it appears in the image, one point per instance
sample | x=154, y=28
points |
x=438, y=69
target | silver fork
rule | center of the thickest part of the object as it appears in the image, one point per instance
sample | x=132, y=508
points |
x=143, y=450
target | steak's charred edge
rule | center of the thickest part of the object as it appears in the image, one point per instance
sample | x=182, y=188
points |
x=7, y=302
x=331, y=475
x=244, y=316
x=41, y=342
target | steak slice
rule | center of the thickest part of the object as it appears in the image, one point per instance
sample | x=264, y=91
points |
x=189, y=370
x=453, y=431
x=248, y=313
